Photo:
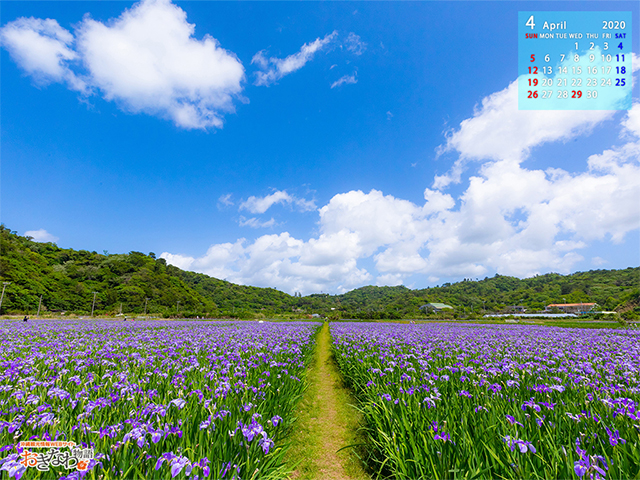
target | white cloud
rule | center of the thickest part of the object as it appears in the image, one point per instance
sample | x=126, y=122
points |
x=631, y=123
x=304, y=205
x=41, y=236
x=181, y=261
x=225, y=200
x=147, y=61
x=599, y=261
x=346, y=79
x=219, y=261
x=273, y=260
x=389, y=279
x=437, y=201
x=255, y=223
x=509, y=219
x=354, y=44
x=378, y=220
x=498, y=131
x=273, y=69
x=43, y=49
x=262, y=204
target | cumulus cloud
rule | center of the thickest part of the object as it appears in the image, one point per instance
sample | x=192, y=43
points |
x=498, y=131
x=273, y=69
x=41, y=236
x=262, y=204
x=147, y=61
x=181, y=261
x=276, y=261
x=347, y=79
x=376, y=219
x=390, y=280
x=43, y=49
x=509, y=218
x=631, y=123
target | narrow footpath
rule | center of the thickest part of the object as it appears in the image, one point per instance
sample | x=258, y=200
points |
x=326, y=423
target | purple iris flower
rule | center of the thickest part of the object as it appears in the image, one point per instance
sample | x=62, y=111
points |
x=266, y=443
x=531, y=404
x=13, y=467
x=522, y=445
x=444, y=437
x=513, y=421
x=614, y=437
x=178, y=402
x=206, y=423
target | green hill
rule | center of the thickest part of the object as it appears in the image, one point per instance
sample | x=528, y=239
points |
x=133, y=282
x=66, y=280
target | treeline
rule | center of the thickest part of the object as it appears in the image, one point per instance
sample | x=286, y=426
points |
x=77, y=281
x=612, y=290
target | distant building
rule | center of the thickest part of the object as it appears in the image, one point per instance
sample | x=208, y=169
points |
x=571, y=307
x=435, y=307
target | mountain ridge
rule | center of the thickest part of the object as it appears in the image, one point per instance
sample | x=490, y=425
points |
x=138, y=283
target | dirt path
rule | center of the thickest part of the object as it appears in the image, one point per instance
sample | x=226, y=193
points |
x=326, y=423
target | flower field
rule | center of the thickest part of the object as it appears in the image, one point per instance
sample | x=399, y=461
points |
x=153, y=400
x=453, y=401
x=216, y=399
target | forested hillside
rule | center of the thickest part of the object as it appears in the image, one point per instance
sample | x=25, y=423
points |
x=137, y=282
x=128, y=283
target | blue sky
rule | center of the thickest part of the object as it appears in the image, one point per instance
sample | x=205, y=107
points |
x=308, y=146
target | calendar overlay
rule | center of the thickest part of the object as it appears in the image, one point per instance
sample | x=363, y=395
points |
x=574, y=60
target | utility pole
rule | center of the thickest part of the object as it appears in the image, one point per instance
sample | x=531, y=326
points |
x=146, y=300
x=4, y=285
x=39, y=303
x=178, y=308
x=93, y=305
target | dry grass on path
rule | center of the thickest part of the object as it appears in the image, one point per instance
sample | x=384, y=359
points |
x=326, y=423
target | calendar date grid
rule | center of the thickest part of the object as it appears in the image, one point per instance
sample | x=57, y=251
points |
x=569, y=64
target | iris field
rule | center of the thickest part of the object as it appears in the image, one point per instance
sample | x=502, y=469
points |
x=217, y=399
x=455, y=401
x=154, y=400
